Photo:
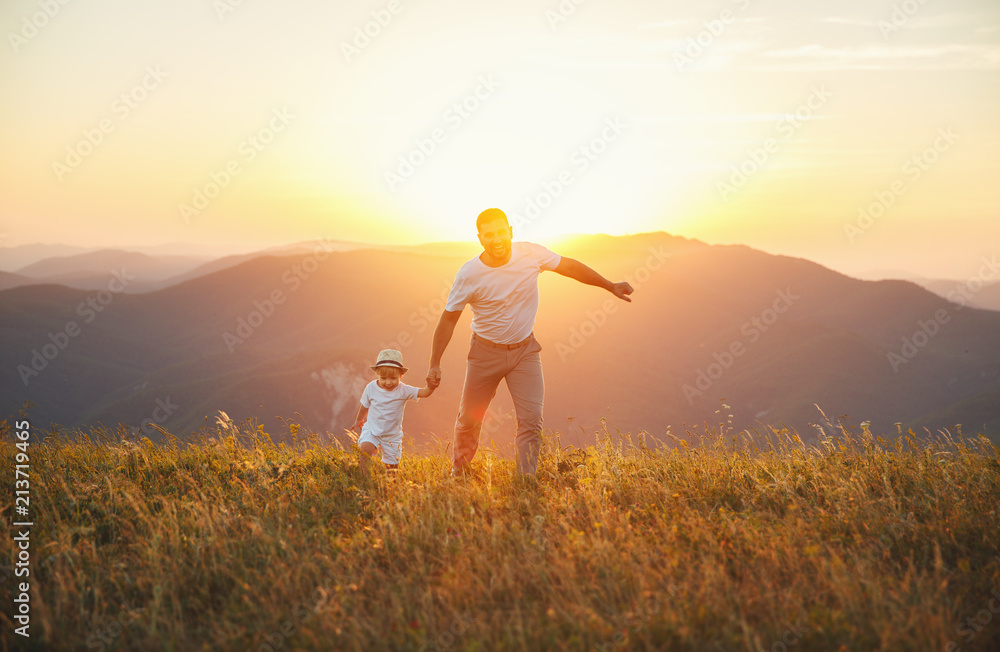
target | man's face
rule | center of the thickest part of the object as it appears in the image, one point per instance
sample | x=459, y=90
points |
x=495, y=236
x=388, y=378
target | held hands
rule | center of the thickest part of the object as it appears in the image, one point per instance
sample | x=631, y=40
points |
x=622, y=290
x=434, y=377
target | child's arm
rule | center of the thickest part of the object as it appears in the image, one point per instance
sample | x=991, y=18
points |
x=359, y=420
x=424, y=392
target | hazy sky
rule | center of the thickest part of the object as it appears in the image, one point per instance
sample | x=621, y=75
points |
x=776, y=124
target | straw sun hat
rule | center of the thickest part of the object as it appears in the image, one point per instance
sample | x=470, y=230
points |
x=389, y=358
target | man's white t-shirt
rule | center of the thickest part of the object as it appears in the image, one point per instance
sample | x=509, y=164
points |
x=504, y=299
x=385, y=409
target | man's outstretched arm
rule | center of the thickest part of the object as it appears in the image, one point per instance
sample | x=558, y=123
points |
x=576, y=270
x=442, y=335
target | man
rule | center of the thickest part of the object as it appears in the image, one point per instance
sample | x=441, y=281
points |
x=501, y=286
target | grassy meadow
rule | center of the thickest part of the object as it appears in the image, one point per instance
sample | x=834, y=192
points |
x=726, y=541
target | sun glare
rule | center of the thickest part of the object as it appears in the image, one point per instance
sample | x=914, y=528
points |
x=558, y=153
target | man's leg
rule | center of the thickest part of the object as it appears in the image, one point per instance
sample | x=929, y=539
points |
x=527, y=388
x=483, y=372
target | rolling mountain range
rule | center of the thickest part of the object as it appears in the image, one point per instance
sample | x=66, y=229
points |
x=278, y=337
x=973, y=291
x=94, y=269
x=985, y=296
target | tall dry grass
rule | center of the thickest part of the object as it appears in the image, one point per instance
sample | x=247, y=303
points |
x=724, y=541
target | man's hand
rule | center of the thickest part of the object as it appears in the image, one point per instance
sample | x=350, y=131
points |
x=622, y=290
x=434, y=377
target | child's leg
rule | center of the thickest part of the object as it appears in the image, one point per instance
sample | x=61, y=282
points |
x=368, y=450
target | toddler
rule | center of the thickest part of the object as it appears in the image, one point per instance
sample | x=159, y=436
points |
x=380, y=415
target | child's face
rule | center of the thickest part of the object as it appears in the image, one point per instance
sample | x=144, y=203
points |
x=388, y=378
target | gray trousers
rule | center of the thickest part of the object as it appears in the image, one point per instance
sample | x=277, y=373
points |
x=487, y=365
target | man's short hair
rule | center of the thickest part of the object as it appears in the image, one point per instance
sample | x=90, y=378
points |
x=489, y=215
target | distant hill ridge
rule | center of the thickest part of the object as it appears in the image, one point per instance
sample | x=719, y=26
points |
x=769, y=335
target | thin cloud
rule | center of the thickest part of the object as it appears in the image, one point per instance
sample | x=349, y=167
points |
x=884, y=57
x=719, y=117
x=806, y=58
x=668, y=23
x=948, y=19
x=699, y=22
x=848, y=20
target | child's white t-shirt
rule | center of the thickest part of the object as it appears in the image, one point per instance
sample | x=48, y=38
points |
x=504, y=299
x=385, y=409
